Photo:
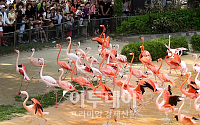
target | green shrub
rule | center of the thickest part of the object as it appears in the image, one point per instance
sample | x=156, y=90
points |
x=155, y=47
x=195, y=41
x=166, y=22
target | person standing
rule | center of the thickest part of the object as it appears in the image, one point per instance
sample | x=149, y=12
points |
x=85, y=18
x=104, y=13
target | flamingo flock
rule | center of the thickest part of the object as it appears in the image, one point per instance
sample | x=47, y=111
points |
x=115, y=66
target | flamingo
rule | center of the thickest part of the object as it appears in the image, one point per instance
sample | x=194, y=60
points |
x=80, y=52
x=65, y=85
x=183, y=64
x=153, y=68
x=197, y=81
x=95, y=70
x=71, y=56
x=89, y=59
x=146, y=53
x=121, y=59
x=168, y=103
x=63, y=64
x=36, y=108
x=162, y=76
x=197, y=106
x=173, y=63
x=21, y=69
x=191, y=93
x=84, y=69
x=104, y=41
x=135, y=72
x=185, y=119
x=105, y=92
x=35, y=62
x=195, y=68
x=49, y=81
x=106, y=71
x=80, y=80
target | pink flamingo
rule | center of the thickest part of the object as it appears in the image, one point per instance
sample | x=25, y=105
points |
x=35, y=62
x=65, y=85
x=49, y=81
x=153, y=68
x=36, y=108
x=162, y=76
x=185, y=119
x=168, y=103
x=135, y=72
x=95, y=70
x=191, y=92
x=89, y=59
x=84, y=69
x=63, y=64
x=71, y=56
x=80, y=52
x=80, y=80
x=120, y=58
x=173, y=63
x=195, y=68
x=106, y=71
x=21, y=69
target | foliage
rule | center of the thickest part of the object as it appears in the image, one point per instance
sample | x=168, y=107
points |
x=166, y=22
x=195, y=41
x=118, y=9
x=155, y=47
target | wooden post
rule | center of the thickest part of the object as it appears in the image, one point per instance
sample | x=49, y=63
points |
x=78, y=26
x=29, y=32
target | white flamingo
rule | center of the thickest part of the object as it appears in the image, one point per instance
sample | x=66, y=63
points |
x=49, y=81
x=195, y=68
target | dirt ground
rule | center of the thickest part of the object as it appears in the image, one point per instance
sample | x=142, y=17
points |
x=69, y=114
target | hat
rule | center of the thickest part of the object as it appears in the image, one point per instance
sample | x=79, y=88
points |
x=2, y=6
x=52, y=8
x=82, y=5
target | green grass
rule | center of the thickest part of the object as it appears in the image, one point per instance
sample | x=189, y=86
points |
x=9, y=111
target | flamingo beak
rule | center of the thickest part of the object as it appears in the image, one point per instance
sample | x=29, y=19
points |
x=85, y=48
x=199, y=56
x=122, y=76
x=58, y=70
x=19, y=93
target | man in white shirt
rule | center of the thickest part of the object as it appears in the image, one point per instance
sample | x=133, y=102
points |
x=4, y=15
x=67, y=6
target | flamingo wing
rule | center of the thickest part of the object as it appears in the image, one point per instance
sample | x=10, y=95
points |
x=190, y=118
x=173, y=99
x=50, y=80
x=88, y=68
x=65, y=65
x=37, y=105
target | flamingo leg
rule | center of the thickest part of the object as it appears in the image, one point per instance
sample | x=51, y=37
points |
x=38, y=74
x=56, y=97
x=86, y=92
x=38, y=121
x=20, y=85
x=190, y=104
x=27, y=85
x=44, y=93
x=65, y=75
x=44, y=121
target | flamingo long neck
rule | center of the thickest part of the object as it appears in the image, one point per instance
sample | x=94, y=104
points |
x=195, y=103
x=68, y=48
x=42, y=69
x=157, y=72
x=92, y=62
x=70, y=45
x=195, y=59
x=179, y=111
x=181, y=87
x=58, y=54
x=73, y=71
x=157, y=100
x=88, y=52
x=114, y=78
x=32, y=54
x=168, y=56
x=94, y=90
x=61, y=76
x=101, y=62
x=196, y=78
x=24, y=103
x=129, y=79
x=117, y=47
x=17, y=61
x=142, y=49
x=151, y=75
x=108, y=60
x=140, y=56
x=132, y=60
x=78, y=60
x=181, y=53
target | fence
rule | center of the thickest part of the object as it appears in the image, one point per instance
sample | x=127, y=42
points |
x=32, y=35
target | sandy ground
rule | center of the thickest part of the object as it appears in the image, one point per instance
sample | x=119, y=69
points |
x=66, y=113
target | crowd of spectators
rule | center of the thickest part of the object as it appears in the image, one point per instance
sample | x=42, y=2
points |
x=17, y=15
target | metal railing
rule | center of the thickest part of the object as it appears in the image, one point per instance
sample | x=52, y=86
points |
x=75, y=30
